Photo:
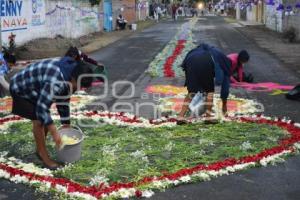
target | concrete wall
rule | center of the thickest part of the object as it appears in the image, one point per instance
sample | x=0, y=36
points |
x=31, y=19
x=274, y=18
x=255, y=12
x=78, y=19
x=251, y=12
x=292, y=20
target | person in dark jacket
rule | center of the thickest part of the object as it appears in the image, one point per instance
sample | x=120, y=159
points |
x=98, y=68
x=37, y=87
x=205, y=67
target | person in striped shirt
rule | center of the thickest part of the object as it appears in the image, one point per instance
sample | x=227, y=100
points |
x=37, y=87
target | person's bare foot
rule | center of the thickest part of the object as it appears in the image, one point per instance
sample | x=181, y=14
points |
x=48, y=163
x=181, y=121
x=211, y=121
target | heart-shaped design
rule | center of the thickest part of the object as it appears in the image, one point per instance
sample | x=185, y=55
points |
x=130, y=155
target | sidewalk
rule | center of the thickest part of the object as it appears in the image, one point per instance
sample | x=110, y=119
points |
x=249, y=23
x=271, y=41
x=55, y=47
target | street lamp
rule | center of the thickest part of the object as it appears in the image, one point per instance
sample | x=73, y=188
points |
x=200, y=6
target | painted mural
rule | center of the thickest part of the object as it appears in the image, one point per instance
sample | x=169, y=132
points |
x=30, y=19
x=26, y=19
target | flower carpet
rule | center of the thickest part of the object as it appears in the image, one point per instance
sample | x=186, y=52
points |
x=172, y=105
x=270, y=87
x=172, y=98
x=77, y=102
x=167, y=62
x=124, y=155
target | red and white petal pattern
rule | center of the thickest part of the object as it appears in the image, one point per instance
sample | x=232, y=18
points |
x=13, y=169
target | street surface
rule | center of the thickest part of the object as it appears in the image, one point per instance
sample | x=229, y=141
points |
x=128, y=58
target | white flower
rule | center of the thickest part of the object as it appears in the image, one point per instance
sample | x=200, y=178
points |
x=246, y=146
x=297, y=145
x=223, y=172
x=230, y=169
x=145, y=159
x=12, y=159
x=98, y=179
x=147, y=193
x=19, y=179
x=82, y=195
x=206, y=142
x=34, y=182
x=273, y=139
x=169, y=146
x=138, y=154
x=274, y=158
x=126, y=193
x=61, y=188
x=158, y=184
x=4, y=174
x=213, y=173
x=109, y=151
x=3, y=153
x=31, y=168
x=185, y=179
x=48, y=185
x=2, y=160
x=204, y=176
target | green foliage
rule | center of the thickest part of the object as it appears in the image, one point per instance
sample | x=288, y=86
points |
x=112, y=153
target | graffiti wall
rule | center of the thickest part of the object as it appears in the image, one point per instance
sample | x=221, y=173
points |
x=30, y=19
x=26, y=18
x=71, y=18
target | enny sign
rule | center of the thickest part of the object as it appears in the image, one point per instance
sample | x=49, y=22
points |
x=13, y=15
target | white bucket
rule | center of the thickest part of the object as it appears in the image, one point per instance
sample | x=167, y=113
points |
x=134, y=27
x=70, y=153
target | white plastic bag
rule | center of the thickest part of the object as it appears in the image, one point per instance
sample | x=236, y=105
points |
x=197, y=105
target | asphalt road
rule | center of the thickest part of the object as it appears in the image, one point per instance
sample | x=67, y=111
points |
x=128, y=58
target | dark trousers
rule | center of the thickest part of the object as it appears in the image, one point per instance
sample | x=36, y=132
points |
x=122, y=26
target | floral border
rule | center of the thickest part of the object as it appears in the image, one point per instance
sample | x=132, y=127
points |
x=167, y=62
x=18, y=172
